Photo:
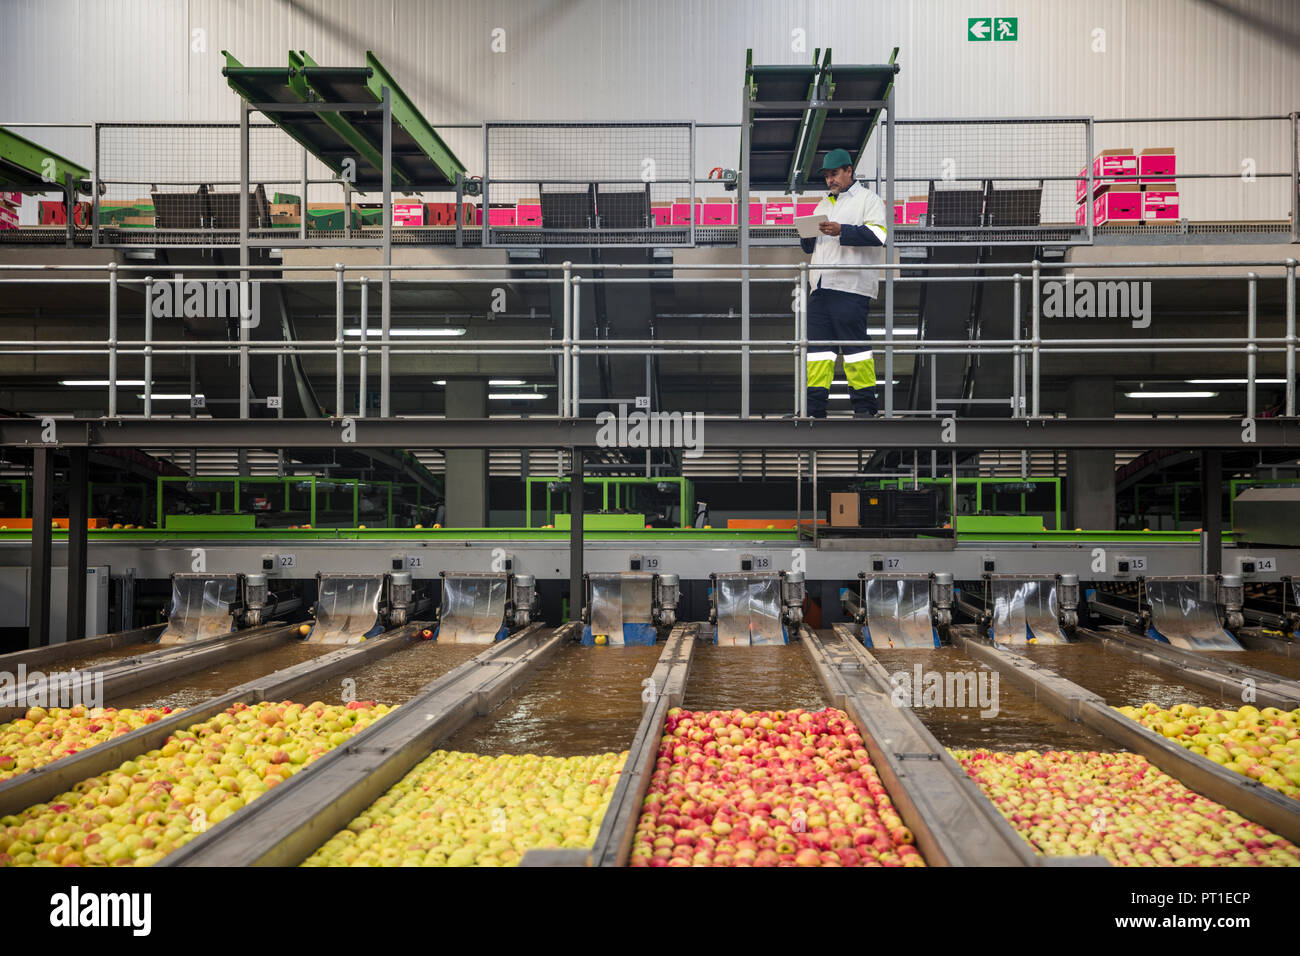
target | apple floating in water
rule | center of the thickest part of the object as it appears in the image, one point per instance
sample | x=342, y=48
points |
x=304, y=629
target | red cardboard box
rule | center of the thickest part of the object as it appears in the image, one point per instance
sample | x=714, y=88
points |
x=1110, y=165
x=8, y=217
x=779, y=211
x=718, y=211
x=914, y=209
x=804, y=207
x=53, y=213
x=900, y=213
x=682, y=213
x=755, y=211
x=1120, y=202
x=14, y=199
x=1160, y=201
x=1156, y=163
x=661, y=213
x=528, y=212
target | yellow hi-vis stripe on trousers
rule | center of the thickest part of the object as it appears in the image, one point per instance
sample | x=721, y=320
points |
x=860, y=369
x=821, y=369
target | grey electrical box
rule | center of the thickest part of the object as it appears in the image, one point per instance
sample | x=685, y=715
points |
x=15, y=600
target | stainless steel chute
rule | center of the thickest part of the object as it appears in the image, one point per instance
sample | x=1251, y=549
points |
x=201, y=607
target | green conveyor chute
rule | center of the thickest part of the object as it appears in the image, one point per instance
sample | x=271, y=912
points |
x=788, y=143
x=421, y=161
x=31, y=168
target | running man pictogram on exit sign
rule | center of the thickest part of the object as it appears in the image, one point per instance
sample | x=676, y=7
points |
x=992, y=28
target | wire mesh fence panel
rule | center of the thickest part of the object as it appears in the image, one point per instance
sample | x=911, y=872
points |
x=591, y=184
x=179, y=183
x=986, y=176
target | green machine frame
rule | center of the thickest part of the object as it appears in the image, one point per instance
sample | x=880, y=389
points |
x=980, y=484
x=620, y=485
x=313, y=483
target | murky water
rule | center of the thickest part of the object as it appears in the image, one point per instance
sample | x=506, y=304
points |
x=1020, y=722
x=109, y=656
x=194, y=688
x=1284, y=667
x=752, y=678
x=395, y=678
x=585, y=700
x=1119, y=680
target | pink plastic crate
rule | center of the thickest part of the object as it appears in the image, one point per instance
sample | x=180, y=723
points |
x=803, y=207
x=914, y=209
x=14, y=199
x=8, y=217
x=756, y=212
x=1160, y=202
x=662, y=213
x=1121, y=202
x=900, y=213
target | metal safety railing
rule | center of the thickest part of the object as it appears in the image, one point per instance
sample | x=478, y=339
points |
x=1027, y=346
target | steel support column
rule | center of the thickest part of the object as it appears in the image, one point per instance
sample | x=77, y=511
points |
x=576, y=595
x=38, y=601
x=1212, y=497
x=77, y=513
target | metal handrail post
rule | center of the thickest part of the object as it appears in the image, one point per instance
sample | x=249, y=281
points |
x=363, y=351
x=112, y=339
x=338, y=340
x=1252, y=349
x=148, y=349
x=1036, y=340
x=801, y=331
x=575, y=352
x=1016, y=385
x=566, y=336
x=386, y=303
x=1290, y=337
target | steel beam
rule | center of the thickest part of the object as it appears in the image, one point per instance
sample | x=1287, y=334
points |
x=576, y=590
x=924, y=434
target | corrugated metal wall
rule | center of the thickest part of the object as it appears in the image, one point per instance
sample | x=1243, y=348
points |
x=116, y=60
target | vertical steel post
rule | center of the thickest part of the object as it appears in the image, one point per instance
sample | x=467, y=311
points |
x=148, y=346
x=575, y=351
x=38, y=601
x=70, y=205
x=338, y=340
x=1290, y=336
x=816, y=513
x=244, y=298
x=1295, y=177
x=302, y=200
x=576, y=596
x=386, y=306
x=801, y=330
x=952, y=495
x=1252, y=349
x=889, y=253
x=77, y=513
x=1035, y=340
x=1017, y=406
x=94, y=189
x=742, y=230
x=798, y=495
x=566, y=337
x=363, y=351
x=112, y=338
x=279, y=412
x=1212, y=521
x=1089, y=216
x=460, y=202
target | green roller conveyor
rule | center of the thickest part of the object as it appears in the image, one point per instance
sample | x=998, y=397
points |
x=421, y=160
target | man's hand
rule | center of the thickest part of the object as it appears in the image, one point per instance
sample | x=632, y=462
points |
x=829, y=228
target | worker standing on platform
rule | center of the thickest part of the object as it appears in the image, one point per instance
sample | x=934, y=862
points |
x=854, y=234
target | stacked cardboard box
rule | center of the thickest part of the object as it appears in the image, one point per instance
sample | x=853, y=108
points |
x=1129, y=187
x=10, y=203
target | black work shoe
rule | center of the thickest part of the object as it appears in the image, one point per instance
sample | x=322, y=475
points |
x=859, y=414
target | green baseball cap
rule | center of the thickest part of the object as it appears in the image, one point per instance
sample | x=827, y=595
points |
x=837, y=158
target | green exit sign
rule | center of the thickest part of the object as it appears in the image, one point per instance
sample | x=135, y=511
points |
x=992, y=28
